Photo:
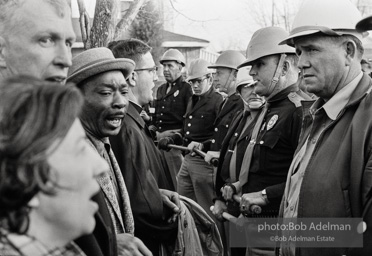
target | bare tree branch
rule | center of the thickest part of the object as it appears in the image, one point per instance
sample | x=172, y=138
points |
x=177, y=11
x=128, y=18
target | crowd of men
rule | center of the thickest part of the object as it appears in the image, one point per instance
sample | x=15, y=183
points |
x=284, y=132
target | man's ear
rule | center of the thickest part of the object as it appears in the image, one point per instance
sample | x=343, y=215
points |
x=2, y=50
x=351, y=51
x=286, y=67
x=132, y=79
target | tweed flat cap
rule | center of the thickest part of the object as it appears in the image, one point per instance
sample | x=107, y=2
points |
x=95, y=61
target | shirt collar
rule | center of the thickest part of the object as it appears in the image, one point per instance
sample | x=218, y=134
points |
x=338, y=102
x=136, y=106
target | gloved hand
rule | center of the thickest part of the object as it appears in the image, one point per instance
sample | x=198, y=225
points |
x=164, y=142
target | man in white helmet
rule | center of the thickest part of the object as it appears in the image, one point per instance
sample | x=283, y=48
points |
x=170, y=105
x=225, y=81
x=234, y=145
x=196, y=177
x=273, y=140
x=330, y=176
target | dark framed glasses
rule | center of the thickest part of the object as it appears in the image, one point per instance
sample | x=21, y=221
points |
x=198, y=80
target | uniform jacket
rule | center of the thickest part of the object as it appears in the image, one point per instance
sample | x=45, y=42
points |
x=200, y=116
x=338, y=179
x=233, y=138
x=275, y=146
x=197, y=233
x=170, y=107
x=233, y=104
x=143, y=171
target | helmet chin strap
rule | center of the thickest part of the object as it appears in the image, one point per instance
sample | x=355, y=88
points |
x=227, y=81
x=254, y=105
x=275, y=79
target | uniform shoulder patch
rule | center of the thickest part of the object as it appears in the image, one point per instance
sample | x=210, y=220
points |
x=295, y=99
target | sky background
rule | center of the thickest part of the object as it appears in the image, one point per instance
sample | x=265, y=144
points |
x=227, y=24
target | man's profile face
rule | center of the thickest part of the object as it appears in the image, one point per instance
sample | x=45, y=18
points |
x=262, y=71
x=40, y=43
x=146, y=78
x=74, y=167
x=105, y=103
x=222, y=79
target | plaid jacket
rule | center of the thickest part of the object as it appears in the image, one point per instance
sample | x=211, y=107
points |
x=12, y=244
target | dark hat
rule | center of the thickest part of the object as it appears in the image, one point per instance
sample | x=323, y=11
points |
x=95, y=61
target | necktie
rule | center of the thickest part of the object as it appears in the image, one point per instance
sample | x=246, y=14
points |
x=169, y=88
x=239, y=131
x=244, y=171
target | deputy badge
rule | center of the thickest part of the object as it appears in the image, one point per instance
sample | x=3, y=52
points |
x=272, y=122
x=175, y=94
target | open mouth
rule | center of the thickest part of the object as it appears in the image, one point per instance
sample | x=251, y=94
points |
x=56, y=79
x=114, y=122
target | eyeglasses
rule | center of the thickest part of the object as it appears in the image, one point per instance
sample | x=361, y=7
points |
x=153, y=69
x=199, y=80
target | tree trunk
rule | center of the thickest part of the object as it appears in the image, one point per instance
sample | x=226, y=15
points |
x=84, y=23
x=128, y=18
x=104, y=22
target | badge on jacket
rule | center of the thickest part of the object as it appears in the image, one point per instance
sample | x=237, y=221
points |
x=272, y=122
x=175, y=94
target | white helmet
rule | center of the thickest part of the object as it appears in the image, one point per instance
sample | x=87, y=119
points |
x=330, y=17
x=198, y=68
x=228, y=59
x=265, y=42
x=243, y=78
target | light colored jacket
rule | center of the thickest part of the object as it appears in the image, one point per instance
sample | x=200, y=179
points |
x=197, y=233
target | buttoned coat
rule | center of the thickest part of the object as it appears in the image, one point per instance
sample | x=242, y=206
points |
x=199, y=117
x=227, y=111
x=170, y=107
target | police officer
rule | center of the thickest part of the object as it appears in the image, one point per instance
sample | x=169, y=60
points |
x=170, y=105
x=196, y=177
x=234, y=145
x=225, y=81
x=275, y=135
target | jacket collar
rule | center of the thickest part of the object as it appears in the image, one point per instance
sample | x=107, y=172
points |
x=202, y=101
x=134, y=112
x=363, y=88
x=334, y=105
x=283, y=93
